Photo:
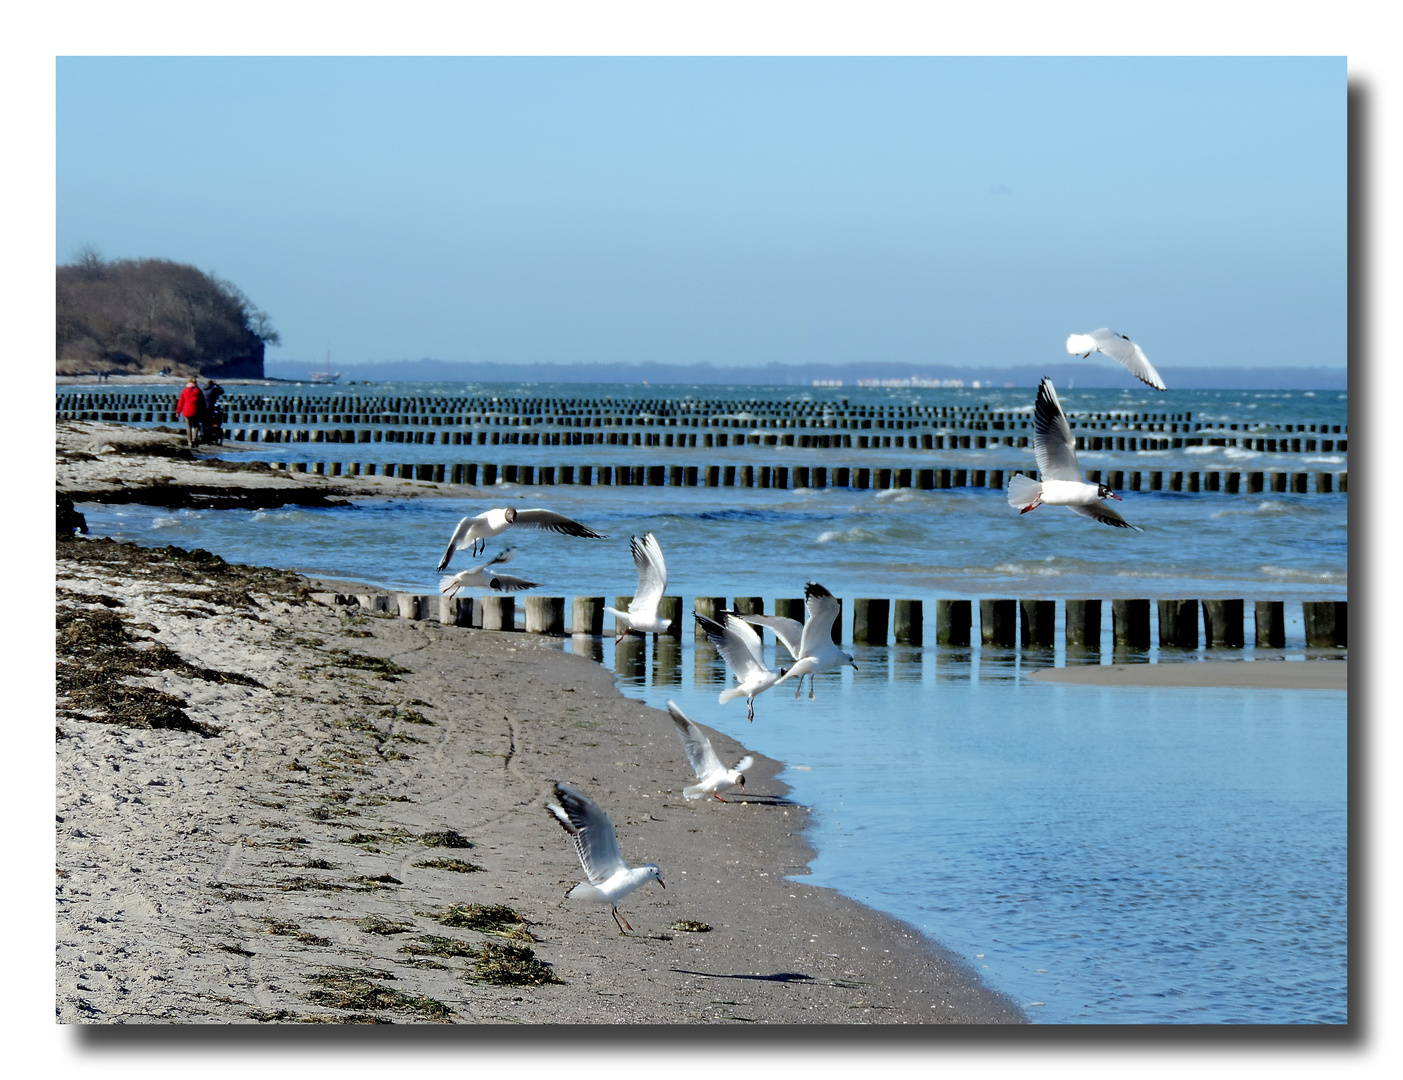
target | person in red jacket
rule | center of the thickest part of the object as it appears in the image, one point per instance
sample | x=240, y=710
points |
x=190, y=405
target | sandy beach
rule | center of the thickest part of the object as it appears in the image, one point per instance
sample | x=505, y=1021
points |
x=273, y=810
x=1261, y=673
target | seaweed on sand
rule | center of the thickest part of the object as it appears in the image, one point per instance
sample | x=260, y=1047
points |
x=510, y=965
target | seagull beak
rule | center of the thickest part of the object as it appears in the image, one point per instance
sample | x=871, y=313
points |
x=1113, y=495
x=662, y=883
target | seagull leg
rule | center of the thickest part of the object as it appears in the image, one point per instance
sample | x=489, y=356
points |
x=619, y=919
x=811, y=688
x=749, y=711
x=798, y=687
x=717, y=797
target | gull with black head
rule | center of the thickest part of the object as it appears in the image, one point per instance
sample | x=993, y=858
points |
x=712, y=776
x=1061, y=483
x=476, y=531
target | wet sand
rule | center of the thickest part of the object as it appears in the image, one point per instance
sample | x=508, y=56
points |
x=328, y=785
x=1257, y=674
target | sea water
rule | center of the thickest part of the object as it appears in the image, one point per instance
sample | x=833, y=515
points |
x=1108, y=855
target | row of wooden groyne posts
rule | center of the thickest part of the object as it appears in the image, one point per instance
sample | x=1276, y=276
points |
x=485, y=474
x=811, y=424
x=1011, y=623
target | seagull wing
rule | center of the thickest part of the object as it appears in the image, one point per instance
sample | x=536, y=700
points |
x=1053, y=444
x=460, y=538
x=553, y=522
x=652, y=575
x=1121, y=349
x=740, y=655
x=505, y=583
x=591, y=830
x=822, y=608
x=1099, y=511
x=696, y=745
x=787, y=630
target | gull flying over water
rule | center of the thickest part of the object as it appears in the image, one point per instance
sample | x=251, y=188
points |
x=597, y=845
x=642, y=613
x=1119, y=348
x=811, y=645
x=740, y=646
x=1061, y=484
x=476, y=531
x=710, y=772
x=483, y=577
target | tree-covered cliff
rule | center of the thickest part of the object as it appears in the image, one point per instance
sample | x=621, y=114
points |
x=142, y=315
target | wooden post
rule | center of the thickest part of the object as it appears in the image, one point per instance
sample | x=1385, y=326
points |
x=670, y=607
x=1130, y=623
x=621, y=603
x=1326, y=624
x=1178, y=623
x=750, y=605
x=713, y=607
x=545, y=615
x=1270, y=617
x=587, y=616
x=998, y=622
x=408, y=605
x=1222, y=624
x=498, y=612
x=908, y=622
x=953, y=620
x=870, y=620
x=1083, y=629
x=1037, y=623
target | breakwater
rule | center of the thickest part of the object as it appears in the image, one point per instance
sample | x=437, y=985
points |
x=694, y=423
x=1182, y=624
x=474, y=474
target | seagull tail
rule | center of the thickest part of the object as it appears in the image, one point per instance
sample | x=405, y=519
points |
x=1022, y=491
x=730, y=695
x=449, y=585
x=693, y=792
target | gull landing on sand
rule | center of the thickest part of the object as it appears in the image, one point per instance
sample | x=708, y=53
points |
x=811, y=645
x=476, y=531
x=1119, y=348
x=642, y=613
x=740, y=647
x=482, y=577
x=1056, y=453
x=610, y=878
x=710, y=772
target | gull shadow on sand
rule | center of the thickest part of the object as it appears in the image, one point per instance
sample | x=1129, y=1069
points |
x=779, y=976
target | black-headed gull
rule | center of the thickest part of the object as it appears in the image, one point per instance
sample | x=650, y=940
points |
x=642, y=613
x=816, y=651
x=740, y=647
x=1062, y=483
x=1119, y=348
x=478, y=530
x=712, y=776
x=482, y=577
x=610, y=878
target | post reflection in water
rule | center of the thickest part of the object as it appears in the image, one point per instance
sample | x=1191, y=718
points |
x=708, y=669
x=667, y=661
x=589, y=646
x=630, y=659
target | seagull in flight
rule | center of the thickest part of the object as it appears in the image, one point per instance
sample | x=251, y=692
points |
x=1119, y=348
x=1062, y=483
x=642, y=613
x=482, y=577
x=597, y=845
x=740, y=646
x=710, y=772
x=476, y=531
x=811, y=645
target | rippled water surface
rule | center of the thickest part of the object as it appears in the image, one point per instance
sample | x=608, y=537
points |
x=1100, y=854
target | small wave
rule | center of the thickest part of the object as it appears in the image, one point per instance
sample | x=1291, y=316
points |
x=1288, y=573
x=165, y=522
x=1025, y=570
x=1322, y=461
x=1203, y=449
x=1237, y=453
x=847, y=536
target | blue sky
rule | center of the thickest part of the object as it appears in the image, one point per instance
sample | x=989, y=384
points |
x=920, y=210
